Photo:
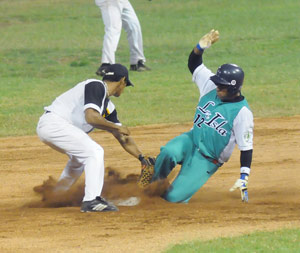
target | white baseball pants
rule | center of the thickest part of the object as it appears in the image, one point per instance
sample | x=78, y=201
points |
x=115, y=14
x=84, y=153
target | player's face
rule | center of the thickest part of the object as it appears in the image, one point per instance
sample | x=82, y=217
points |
x=225, y=95
x=222, y=92
x=121, y=87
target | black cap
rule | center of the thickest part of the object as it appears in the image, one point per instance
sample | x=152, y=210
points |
x=115, y=72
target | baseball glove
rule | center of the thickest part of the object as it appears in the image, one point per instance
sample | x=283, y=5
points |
x=147, y=170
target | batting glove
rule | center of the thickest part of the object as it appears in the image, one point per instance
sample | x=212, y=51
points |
x=241, y=184
x=208, y=39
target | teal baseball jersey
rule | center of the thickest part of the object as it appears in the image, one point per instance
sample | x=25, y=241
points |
x=219, y=126
x=213, y=123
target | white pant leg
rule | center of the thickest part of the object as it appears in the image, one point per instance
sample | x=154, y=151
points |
x=83, y=151
x=70, y=174
x=111, y=16
x=133, y=29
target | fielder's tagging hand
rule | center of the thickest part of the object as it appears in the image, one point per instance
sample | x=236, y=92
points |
x=208, y=39
x=241, y=184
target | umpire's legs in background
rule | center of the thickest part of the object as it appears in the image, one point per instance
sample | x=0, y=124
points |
x=111, y=11
x=133, y=29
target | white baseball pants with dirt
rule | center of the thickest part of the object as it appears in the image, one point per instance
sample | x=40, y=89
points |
x=115, y=14
x=84, y=153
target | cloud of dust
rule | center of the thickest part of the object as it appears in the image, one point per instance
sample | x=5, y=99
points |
x=52, y=198
x=115, y=188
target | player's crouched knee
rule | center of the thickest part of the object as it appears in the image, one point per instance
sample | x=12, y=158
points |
x=176, y=195
x=96, y=151
x=172, y=196
x=167, y=154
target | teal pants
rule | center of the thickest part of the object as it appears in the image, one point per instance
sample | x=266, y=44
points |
x=195, y=169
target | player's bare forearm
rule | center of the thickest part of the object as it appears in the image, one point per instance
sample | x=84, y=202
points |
x=94, y=118
x=128, y=144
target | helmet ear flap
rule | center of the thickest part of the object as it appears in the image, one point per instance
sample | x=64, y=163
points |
x=233, y=89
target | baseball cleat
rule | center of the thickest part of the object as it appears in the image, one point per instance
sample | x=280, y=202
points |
x=99, y=204
x=140, y=66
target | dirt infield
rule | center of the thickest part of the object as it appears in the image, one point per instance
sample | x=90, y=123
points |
x=29, y=224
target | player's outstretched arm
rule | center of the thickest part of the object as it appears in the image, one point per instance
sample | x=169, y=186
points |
x=147, y=162
x=195, y=57
x=128, y=143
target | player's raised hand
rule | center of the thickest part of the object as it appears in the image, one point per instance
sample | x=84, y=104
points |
x=208, y=39
x=241, y=184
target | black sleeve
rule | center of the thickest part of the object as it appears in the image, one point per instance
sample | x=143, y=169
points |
x=113, y=117
x=94, y=93
x=246, y=158
x=195, y=60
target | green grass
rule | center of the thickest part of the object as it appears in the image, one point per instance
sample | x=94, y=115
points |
x=49, y=46
x=282, y=241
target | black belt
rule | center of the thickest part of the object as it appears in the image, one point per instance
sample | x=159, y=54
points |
x=47, y=111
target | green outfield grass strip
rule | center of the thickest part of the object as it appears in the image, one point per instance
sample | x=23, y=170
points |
x=282, y=241
x=48, y=47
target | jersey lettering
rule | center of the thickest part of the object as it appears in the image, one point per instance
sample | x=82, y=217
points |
x=203, y=109
x=214, y=122
x=200, y=121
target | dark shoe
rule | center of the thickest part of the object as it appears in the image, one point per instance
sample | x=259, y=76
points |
x=99, y=204
x=140, y=66
x=102, y=70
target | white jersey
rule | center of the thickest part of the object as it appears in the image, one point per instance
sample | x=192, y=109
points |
x=72, y=104
x=242, y=128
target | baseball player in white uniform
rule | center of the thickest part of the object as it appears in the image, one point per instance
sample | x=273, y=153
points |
x=115, y=15
x=66, y=123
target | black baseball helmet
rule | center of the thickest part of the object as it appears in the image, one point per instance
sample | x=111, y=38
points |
x=230, y=76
